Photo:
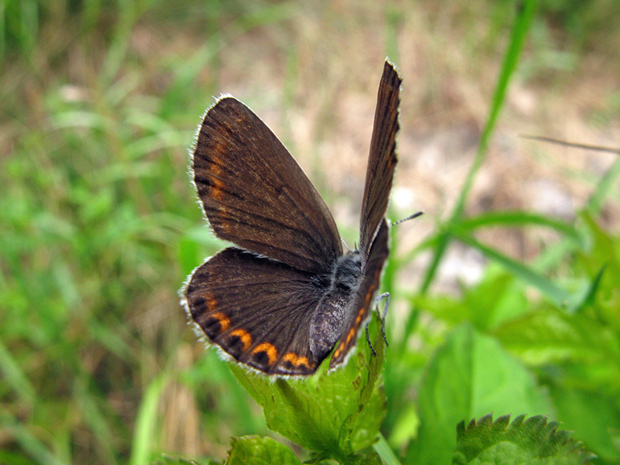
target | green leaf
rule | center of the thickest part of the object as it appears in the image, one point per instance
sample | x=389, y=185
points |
x=603, y=251
x=256, y=450
x=469, y=376
x=549, y=335
x=593, y=416
x=332, y=414
x=531, y=441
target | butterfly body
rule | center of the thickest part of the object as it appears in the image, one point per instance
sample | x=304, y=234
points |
x=329, y=317
x=285, y=295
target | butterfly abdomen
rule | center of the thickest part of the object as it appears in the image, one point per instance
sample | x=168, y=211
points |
x=331, y=313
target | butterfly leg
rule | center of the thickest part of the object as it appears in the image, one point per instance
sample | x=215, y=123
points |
x=386, y=297
x=369, y=343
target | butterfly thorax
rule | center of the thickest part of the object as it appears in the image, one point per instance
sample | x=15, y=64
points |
x=330, y=315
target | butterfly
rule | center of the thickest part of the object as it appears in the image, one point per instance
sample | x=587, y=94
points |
x=286, y=294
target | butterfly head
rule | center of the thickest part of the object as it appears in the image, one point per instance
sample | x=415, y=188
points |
x=347, y=272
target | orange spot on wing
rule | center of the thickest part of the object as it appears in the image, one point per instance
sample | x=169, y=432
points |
x=337, y=351
x=219, y=316
x=217, y=190
x=210, y=301
x=245, y=337
x=296, y=360
x=350, y=335
x=269, y=349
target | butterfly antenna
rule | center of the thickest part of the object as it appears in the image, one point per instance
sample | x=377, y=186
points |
x=415, y=215
x=345, y=245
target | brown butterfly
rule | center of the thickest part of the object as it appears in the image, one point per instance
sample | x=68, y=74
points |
x=286, y=294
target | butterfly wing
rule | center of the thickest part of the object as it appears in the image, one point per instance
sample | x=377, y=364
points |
x=361, y=305
x=382, y=157
x=257, y=310
x=373, y=226
x=255, y=195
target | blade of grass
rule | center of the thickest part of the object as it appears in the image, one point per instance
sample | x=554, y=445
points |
x=273, y=13
x=128, y=15
x=517, y=38
x=14, y=375
x=384, y=450
x=517, y=218
x=3, y=30
x=186, y=75
x=145, y=422
x=442, y=244
x=590, y=295
x=597, y=148
x=527, y=274
x=603, y=188
x=28, y=441
x=95, y=419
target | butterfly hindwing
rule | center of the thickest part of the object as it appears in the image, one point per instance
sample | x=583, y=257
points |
x=256, y=309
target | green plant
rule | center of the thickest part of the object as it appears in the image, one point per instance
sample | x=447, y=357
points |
x=99, y=226
x=477, y=369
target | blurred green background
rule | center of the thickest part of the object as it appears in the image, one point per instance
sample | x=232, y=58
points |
x=99, y=225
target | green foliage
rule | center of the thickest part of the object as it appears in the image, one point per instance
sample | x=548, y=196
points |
x=334, y=415
x=255, y=450
x=524, y=441
x=99, y=227
x=583, y=21
x=19, y=24
x=469, y=376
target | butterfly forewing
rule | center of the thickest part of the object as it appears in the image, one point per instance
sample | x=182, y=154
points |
x=255, y=194
x=382, y=157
